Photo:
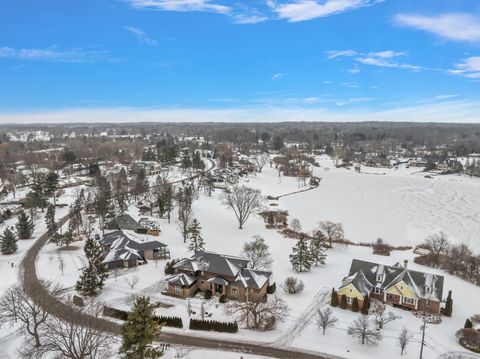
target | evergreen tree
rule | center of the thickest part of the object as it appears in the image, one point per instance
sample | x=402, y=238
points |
x=468, y=324
x=139, y=332
x=343, y=301
x=197, y=243
x=51, y=185
x=24, y=226
x=301, y=258
x=334, y=298
x=449, y=305
x=366, y=305
x=94, y=274
x=75, y=216
x=317, y=248
x=50, y=220
x=8, y=242
x=355, y=305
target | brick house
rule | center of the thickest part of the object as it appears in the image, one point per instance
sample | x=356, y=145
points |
x=395, y=285
x=221, y=274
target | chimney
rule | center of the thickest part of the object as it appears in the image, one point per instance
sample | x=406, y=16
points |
x=405, y=264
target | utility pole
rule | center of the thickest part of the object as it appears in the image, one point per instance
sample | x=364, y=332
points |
x=423, y=337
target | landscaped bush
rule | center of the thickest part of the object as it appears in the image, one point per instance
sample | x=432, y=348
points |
x=213, y=325
x=469, y=338
x=174, y=322
x=293, y=285
x=207, y=294
x=142, y=230
x=271, y=289
x=223, y=298
x=115, y=313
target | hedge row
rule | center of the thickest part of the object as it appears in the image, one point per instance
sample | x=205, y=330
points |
x=212, y=325
x=174, y=322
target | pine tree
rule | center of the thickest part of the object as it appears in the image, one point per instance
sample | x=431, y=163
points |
x=50, y=220
x=8, y=242
x=24, y=226
x=343, y=301
x=366, y=305
x=75, y=216
x=317, y=248
x=301, y=258
x=51, y=184
x=334, y=298
x=449, y=305
x=355, y=305
x=94, y=274
x=139, y=332
x=197, y=243
x=468, y=324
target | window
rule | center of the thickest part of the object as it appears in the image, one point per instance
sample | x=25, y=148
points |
x=377, y=290
x=350, y=290
x=349, y=300
x=234, y=291
x=409, y=300
x=379, y=278
x=427, y=303
x=178, y=289
x=428, y=289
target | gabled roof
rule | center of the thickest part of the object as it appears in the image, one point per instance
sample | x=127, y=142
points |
x=415, y=280
x=214, y=263
x=249, y=278
x=122, y=254
x=359, y=281
x=123, y=221
x=182, y=280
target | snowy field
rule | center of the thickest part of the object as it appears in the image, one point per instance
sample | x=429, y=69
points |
x=401, y=206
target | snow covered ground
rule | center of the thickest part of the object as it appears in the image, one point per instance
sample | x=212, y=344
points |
x=401, y=206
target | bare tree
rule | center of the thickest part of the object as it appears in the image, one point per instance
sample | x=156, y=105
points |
x=404, y=338
x=333, y=231
x=293, y=285
x=326, y=319
x=258, y=254
x=244, y=201
x=260, y=161
x=132, y=281
x=185, y=199
x=17, y=307
x=295, y=225
x=438, y=244
x=363, y=329
x=258, y=315
x=380, y=314
x=76, y=338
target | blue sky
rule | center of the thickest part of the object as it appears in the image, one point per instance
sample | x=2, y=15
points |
x=239, y=60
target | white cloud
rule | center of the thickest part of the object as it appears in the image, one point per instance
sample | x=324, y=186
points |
x=445, y=97
x=54, y=54
x=301, y=10
x=181, y=5
x=469, y=67
x=354, y=100
x=450, y=26
x=465, y=111
x=278, y=76
x=141, y=36
x=386, y=59
x=332, y=54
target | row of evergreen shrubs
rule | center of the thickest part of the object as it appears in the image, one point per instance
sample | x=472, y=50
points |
x=174, y=322
x=212, y=325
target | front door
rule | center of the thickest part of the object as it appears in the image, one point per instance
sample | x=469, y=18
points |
x=218, y=289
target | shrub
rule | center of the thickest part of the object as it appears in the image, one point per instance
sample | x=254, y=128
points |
x=334, y=298
x=271, y=289
x=142, y=230
x=213, y=325
x=207, y=294
x=174, y=322
x=343, y=302
x=293, y=285
x=222, y=299
x=355, y=305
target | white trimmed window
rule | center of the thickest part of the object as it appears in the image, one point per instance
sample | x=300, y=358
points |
x=428, y=289
x=178, y=289
x=409, y=300
x=349, y=300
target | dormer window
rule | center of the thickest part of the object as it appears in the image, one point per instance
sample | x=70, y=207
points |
x=379, y=278
x=428, y=289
